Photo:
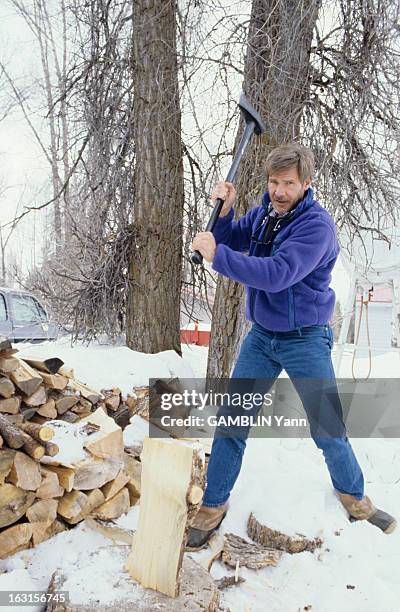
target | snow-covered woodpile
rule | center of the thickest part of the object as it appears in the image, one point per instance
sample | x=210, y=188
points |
x=56, y=470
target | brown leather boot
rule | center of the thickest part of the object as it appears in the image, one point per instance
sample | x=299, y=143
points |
x=361, y=509
x=206, y=521
x=364, y=509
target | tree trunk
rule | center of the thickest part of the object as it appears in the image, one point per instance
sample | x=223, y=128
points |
x=276, y=81
x=153, y=309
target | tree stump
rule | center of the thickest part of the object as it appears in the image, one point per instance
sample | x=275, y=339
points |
x=198, y=593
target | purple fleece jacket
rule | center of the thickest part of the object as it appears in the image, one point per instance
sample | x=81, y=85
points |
x=289, y=288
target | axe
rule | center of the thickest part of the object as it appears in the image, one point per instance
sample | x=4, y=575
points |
x=254, y=124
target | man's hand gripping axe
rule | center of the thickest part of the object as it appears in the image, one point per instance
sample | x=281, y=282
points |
x=254, y=124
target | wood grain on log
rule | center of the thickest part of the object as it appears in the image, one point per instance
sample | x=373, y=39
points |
x=48, y=409
x=50, y=486
x=10, y=405
x=51, y=365
x=165, y=512
x=38, y=398
x=26, y=378
x=114, y=507
x=25, y=472
x=55, y=381
x=8, y=364
x=14, y=502
x=7, y=388
x=6, y=462
x=14, y=539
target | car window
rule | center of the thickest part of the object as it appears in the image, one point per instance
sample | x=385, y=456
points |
x=26, y=309
x=3, y=309
x=41, y=310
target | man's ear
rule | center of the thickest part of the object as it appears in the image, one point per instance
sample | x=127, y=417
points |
x=308, y=182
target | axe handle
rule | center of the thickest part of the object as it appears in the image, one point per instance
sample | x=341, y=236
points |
x=196, y=256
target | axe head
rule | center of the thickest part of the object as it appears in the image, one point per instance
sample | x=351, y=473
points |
x=250, y=114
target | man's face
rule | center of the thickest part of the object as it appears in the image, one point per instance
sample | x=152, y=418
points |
x=286, y=189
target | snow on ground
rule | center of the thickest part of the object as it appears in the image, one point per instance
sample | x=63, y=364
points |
x=283, y=481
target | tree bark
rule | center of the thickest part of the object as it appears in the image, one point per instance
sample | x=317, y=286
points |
x=153, y=308
x=276, y=81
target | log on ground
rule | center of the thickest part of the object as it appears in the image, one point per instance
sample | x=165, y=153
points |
x=275, y=539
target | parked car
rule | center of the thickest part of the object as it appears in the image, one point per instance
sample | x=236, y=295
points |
x=24, y=318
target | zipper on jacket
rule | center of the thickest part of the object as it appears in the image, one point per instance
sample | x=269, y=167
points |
x=291, y=314
x=251, y=303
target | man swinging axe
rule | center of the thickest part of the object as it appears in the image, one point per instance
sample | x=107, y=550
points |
x=283, y=251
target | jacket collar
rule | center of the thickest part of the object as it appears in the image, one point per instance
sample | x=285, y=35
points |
x=303, y=205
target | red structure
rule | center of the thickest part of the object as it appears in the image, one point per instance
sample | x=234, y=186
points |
x=196, y=336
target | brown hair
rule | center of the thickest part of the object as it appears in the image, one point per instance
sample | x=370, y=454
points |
x=289, y=155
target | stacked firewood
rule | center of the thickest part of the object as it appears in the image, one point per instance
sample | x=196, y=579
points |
x=40, y=390
x=42, y=491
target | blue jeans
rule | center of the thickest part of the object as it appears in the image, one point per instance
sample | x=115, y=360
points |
x=304, y=353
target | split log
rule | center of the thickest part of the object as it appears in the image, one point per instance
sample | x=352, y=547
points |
x=275, y=539
x=6, y=461
x=69, y=417
x=81, y=410
x=114, y=507
x=66, y=372
x=238, y=551
x=85, y=391
x=93, y=473
x=38, y=398
x=198, y=592
x=27, y=412
x=65, y=400
x=42, y=433
x=25, y=472
x=133, y=469
x=72, y=504
x=48, y=409
x=51, y=365
x=14, y=539
x=111, y=488
x=43, y=511
x=108, y=441
x=8, y=364
x=165, y=513
x=65, y=475
x=7, y=388
x=112, y=398
x=76, y=505
x=50, y=486
x=14, y=502
x=26, y=378
x=54, y=381
x=42, y=531
x=10, y=405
